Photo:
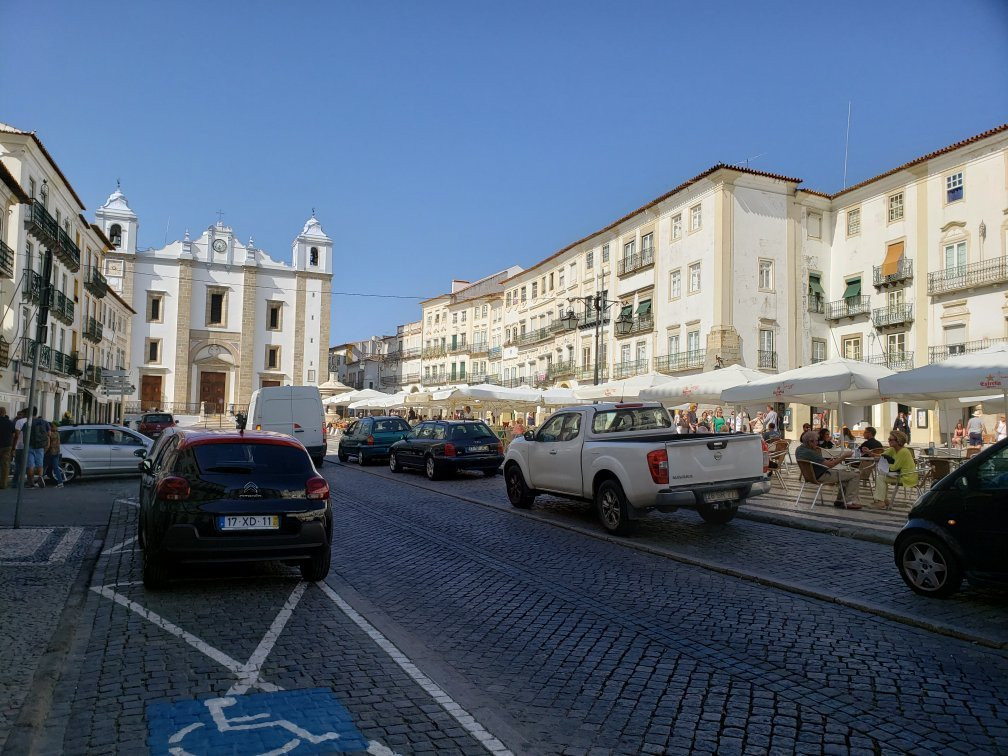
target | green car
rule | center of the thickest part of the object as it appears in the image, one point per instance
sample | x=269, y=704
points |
x=369, y=438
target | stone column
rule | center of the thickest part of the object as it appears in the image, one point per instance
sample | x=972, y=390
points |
x=300, y=324
x=246, y=357
x=322, y=373
x=183, y=315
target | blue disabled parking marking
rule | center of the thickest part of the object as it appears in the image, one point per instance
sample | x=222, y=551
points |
x=289, y=721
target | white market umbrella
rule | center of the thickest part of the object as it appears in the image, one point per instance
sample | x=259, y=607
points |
x=829, y=383
x=620, y=390
x=705, y=388
x=356, y=396
x=386, y=401
x=558, y=397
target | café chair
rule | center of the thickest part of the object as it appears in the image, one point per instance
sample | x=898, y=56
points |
x=807, y=468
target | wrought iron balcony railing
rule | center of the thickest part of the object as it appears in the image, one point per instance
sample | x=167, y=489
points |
x=561, y=369
x=851, y=307
x=904, y=272
x=816, y=303
x=44, y=227
x=62, y=307
x=639, y=324
x=534, y=336
x=95, y=282
x=432, y=352
x=984, y=273
x=636, y=261
x=894, y=360
x=27, y=357
x=588, y=374
x=93, y=330
x=680, y=361
x=766, y=360
x=892, y=317
x=479, y=348
x=943, y=352
x=629, y=369
x=6, y=261
x=458, y=349
x=494, y=352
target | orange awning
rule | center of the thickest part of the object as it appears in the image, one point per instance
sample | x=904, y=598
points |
x=893, y=255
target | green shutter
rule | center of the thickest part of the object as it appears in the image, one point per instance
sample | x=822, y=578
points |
x=627, y=312
x=815, y=286
x=644, y=308
x=853, y=288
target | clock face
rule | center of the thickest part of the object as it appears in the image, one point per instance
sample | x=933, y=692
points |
x=219, y=245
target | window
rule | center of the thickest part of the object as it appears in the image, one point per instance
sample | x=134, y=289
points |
x=573, y=273
x=896, y=346
x=153, y=351
x=215, y=307
x=673, y=344
x=954, y=187
x=693, y=341
x=551, y=282
x=895, y=207
x=628, y=250
x=818, y=350
x=895, y=298
x=311, y=376
x=676, y=226
x=313, y=256
x=605, y=253
x=484, y=311
x=675, y=284
x=852, y=348
x=694, y=218
x=625, y=353
x=590, y=260
x=454, y=318
x=766, y=340
x=955, y=258
x=766, y=275
x=647, y=245
x=154, y=307
x=955, y=338
x=641, y=351
x=272, y=357
x=854, y=221
x=535, y=290
x=274, y=316
x=815, y=226
x=694, y=278
x=524, y=295
x=561, y=278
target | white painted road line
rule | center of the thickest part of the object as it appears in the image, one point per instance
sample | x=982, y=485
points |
x=119, y=546
x=460, y=715
x=251, y=670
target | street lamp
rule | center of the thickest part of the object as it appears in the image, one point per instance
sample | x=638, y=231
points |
x=600, y=305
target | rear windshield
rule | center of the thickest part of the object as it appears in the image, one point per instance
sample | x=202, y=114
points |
x=246, y=457
x=471, y=430
x=631, y=419
x=390, y=426
x=156, y=419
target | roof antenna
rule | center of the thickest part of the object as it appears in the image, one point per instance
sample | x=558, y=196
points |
x=846, y=144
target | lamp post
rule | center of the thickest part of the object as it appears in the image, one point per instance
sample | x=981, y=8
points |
x=599, y=304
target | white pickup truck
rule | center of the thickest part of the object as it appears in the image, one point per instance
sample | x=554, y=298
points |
x=627, y=459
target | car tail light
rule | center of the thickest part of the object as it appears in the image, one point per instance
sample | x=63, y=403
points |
x=297, y=426
x=317, y=488
x=766, y=456
x=449, y=450
x=500, y=447
x=369, y=441
x=258, y=427
x=173, y=489
x=657, y=462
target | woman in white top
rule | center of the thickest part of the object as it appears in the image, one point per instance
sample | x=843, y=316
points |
x=1001, y=429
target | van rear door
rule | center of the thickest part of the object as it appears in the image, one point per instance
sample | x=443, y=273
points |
x=274, y=413
x=307, y=415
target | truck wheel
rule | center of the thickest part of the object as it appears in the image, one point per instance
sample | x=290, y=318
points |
x=717, y=516
x=613, y=508
x=517, y=490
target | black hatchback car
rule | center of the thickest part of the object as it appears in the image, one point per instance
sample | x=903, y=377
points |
x=439, y=447
x=959, y=528
x=232, y=496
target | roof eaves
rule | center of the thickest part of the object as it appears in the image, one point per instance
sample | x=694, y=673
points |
x=13, y=185
x=12, y=130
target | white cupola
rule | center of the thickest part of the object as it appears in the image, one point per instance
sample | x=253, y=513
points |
x=312, y=249
x=119, y=222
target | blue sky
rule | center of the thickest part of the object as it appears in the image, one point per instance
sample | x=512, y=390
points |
x=453, y=139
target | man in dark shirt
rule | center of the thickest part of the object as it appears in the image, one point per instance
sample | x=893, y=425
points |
x=830, y=471
x=871, y=448
x=6, y=442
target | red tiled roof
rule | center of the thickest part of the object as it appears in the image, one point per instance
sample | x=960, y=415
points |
x=925, y=158
x=12, y=130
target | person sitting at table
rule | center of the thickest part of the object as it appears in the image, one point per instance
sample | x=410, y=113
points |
x=771, y=433
x=825, y=439
x=901, y=465
x=959, y=435
x=847, y=437
x=829, y=470
x=871, y=449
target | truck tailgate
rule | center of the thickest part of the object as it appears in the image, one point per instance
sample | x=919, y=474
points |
x=713, y=459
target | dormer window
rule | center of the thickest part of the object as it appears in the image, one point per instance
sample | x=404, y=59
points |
x=115, y=234
x=313, y=256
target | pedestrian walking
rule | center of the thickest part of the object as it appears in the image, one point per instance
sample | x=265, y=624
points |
x=902, y=425
x=975, y=429
x=55, y=454
x=6, y=441
x=36, y=449
x=20, y=452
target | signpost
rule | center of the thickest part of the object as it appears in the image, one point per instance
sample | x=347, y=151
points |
x=117, y=381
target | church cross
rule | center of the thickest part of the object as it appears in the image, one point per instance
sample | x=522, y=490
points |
x=220, y=216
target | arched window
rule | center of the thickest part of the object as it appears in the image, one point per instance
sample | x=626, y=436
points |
x=115, y=234
x=313, y=256
x=45, y=194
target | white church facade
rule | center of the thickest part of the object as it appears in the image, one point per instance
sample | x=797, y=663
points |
x=217, y=319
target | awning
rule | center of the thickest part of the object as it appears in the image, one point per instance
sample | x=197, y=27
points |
x=644, y=308
x=893, y=255
x=815, y=286
x=626, y=313
x=853, y=289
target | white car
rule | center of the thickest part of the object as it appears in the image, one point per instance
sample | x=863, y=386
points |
x=101, y=450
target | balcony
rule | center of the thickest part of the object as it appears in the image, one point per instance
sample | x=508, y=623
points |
x=479, y=348
x=409, y=378
x=91, y=375
x=893, y=360
x=629, y=369
x=28, y=355
x=62, y=307
x=560, y=370
x=636, y=261
x=534, y=337
x=409, y=354
x=943, y=352
x=851, y=307
x=520, y=380
x=93, y=330
x=892, y=317
x=95, y=282
x=588, y=374
x=441, y=379
x=766, y=360
x=6, y=261
x=4, y=352
x=44, y=227
x=904, y=272
x=816, y=303
x=433, y=352
x=639, y=324
x=458, y=349
x=680, y=361
x=32, y=291
x=494, y=353
x=960, y=277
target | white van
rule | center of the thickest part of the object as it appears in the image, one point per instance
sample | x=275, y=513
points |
x=295, y=411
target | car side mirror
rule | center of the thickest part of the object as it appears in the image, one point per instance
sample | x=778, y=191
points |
x=141, y=452
x=529, y=435
x=146, y=466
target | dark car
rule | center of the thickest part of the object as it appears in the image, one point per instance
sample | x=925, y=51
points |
x=232, y=496
x=959, y=528
x=153, y=424
x=444, y=446
x=369, y=438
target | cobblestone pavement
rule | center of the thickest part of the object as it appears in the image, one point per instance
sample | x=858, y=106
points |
x=847, y=570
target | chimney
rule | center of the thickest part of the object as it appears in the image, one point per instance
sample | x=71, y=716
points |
x=457, y=284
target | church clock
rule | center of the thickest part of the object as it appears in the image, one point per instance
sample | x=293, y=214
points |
x=219, y=245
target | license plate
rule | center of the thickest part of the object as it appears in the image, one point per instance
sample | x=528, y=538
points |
x=729, y=494
x=248, y=522
x=476, y=449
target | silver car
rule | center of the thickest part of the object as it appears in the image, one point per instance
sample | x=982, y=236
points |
x=101, y=450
